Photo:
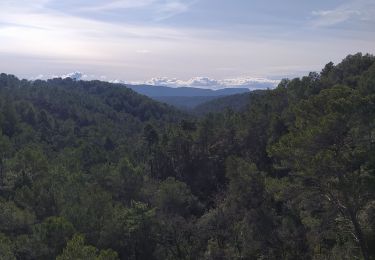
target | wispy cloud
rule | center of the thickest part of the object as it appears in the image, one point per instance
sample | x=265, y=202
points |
x=24, y=4
x=171, y=8
x=116, y=5
x=37, y=30
x=355, y=10
x=138, y=40
x=159, y=9
x=332, y=17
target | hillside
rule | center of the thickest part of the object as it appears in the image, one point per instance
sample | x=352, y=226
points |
x=237, y=102
x=185, y=103
x=58, y=114
x=93, y=170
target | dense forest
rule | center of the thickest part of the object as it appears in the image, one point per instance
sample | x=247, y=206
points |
x=236, y=103
x=93, y=170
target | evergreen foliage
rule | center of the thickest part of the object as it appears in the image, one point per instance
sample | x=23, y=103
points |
x=92, y=170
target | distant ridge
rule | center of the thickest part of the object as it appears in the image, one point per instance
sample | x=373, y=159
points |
x=236, y=102
x=185, y=97
x=162, y=91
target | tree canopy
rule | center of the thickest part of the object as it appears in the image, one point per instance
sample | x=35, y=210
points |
x=93, y=170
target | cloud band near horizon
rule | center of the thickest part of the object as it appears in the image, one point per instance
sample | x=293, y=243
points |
x=139, y=40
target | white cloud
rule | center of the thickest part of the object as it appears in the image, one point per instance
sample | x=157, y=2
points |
x=40, y=76
x=39, y=38
x=160, y=9
x=77, y=75
x=20, y=5
x=251, y=83
x=171, y=8
x=196, y=82
x=205, y=82
x=37, y=31
x=355, y=10
x=74, y=75
x=116, y=5
x=332, y=17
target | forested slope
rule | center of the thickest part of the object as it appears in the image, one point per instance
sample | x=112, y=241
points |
x=185, y=103
x=237, y=103
x=93, y=171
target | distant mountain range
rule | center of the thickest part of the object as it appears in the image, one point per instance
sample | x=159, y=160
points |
x=184, y=97
x=161, y=91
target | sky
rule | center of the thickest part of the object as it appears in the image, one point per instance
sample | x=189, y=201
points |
x=208, y=43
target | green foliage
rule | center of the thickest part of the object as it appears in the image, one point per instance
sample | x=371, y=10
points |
x=53, y=234
x=6, y=248
x=129, y=231
x=92, y=170
x=237, y=102
x=77, y=250
x=124, y=182
x=14, y=220
x=175, y=197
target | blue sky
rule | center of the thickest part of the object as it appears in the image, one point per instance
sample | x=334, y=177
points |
x=175, y=41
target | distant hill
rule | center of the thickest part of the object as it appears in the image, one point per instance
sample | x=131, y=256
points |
x=161, y=91
x=237, y=102
x=78, y=111
x=184, y=97
x=185, y=103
